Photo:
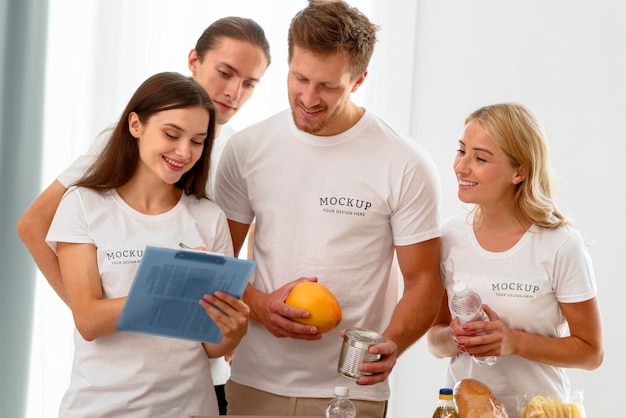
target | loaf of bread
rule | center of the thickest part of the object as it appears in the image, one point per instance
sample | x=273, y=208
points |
x=475, y=400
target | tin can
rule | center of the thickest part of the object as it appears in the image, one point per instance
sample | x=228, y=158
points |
x=354, y=351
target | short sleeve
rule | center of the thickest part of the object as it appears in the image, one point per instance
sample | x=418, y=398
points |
x=573, y=271
x=416, y=217
x=230, y=188
x=69, y=223
x=74, y=172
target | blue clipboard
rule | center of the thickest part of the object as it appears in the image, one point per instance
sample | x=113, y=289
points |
x=163, y=299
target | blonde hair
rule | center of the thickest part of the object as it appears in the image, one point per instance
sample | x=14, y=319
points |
x=521, y=137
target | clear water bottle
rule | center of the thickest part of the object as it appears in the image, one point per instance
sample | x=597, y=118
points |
x=445, y=408
x=340, y=406
x=467, y=306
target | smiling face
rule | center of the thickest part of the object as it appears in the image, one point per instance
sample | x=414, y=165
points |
x=484, y=173
x=229, y=72
x=319, y=90
x=170, y=142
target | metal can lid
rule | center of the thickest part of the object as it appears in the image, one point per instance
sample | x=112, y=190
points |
x=365, y=337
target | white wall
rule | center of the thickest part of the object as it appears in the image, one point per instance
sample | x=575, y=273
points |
x=437, y=60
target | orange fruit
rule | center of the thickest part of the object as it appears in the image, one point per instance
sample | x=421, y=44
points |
x=319, y=301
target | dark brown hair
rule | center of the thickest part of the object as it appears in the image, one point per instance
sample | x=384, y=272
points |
x=118, y=161
x=239, y=28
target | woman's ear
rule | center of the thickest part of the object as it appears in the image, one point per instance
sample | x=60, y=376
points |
x=134, y=124
x=520, y=175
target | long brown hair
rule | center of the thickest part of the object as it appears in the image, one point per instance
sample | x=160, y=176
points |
x=118, y=161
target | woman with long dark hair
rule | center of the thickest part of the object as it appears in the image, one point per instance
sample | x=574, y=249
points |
x=147, y=188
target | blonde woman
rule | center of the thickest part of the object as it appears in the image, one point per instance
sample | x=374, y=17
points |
x=529, y=265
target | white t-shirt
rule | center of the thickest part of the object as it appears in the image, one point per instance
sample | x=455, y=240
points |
x=524, y=286
x=127, y=374
x=79, y=166
x=216, y=153
x=220, y=369
x=330, y=207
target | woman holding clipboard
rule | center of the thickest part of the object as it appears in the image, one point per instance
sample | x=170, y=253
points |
x=147, y=188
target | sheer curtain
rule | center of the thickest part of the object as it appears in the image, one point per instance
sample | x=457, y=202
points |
x=22, y=42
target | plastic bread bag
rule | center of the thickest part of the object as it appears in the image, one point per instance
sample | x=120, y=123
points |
x=542, y=405
x=474, y=399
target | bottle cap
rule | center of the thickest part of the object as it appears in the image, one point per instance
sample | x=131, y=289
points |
x=341, y=391
x=461, y=289
x=445, y=394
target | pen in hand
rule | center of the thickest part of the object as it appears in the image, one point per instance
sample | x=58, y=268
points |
x=187, y=247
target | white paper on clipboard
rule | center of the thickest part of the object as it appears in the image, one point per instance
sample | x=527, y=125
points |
x=163, y=299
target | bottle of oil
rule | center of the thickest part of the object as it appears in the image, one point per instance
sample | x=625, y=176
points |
x=445, y=408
